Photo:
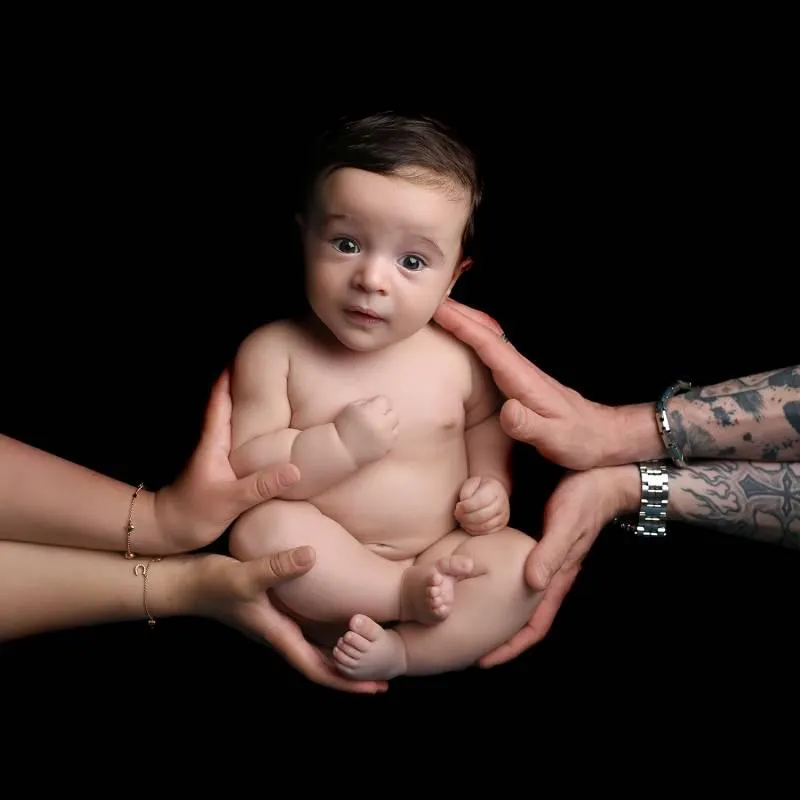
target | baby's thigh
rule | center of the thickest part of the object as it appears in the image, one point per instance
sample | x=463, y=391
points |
x=445, y=546
x=279, y=525
x=501, y=556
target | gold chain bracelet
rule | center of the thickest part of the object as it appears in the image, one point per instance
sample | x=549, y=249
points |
x=143, y=570
x=130, y=527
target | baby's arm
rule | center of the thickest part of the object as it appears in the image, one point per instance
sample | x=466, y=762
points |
x=488, y=447
x=261, y=418
x=483, y=504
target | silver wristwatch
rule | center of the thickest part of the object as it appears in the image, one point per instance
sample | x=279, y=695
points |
x=655, y=499
x=652, y=517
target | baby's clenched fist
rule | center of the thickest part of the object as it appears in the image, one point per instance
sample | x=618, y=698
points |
x=368, y=428
x=483, y=505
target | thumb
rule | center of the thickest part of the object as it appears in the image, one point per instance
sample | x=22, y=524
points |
x=561, y=532
x=265, y=485
x=519, y=422
x=217, y=418
x=282, y=566
x=469, y=487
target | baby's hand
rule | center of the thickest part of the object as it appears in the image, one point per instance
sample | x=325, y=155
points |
x=483, y=506
x=367, y=428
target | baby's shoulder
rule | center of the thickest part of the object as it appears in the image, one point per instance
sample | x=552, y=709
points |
x=461, y=360
x=283, y=333
x=271, y=343
x=452, y=349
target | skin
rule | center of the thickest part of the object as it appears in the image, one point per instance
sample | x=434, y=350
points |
x=39, y=593
x=47, y=501
x=393, y=426
x=741, y=438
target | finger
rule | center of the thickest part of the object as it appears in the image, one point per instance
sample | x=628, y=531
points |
x=282, y=566
x=545, y=613
x=514, y=374
x=481, y=317
x=469, y=487
x=519, y=643
x=475, y=333
x=485, y=497
x=495, y=523
x=476, y=516
x=522, y=424
x=287, y=638
x=266, y=485
x=482, y=333
x=583, y=541
x=217, y=419
x=562, y=532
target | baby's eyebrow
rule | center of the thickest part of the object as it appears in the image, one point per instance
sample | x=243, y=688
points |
x=427, y=240
x=332, y=217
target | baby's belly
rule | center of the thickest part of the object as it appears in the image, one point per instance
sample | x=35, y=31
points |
x=398, y=508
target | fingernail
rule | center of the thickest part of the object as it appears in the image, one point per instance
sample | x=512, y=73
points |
x=544, y=576
x=288, y=476
x=302, y=556
x=516, y=417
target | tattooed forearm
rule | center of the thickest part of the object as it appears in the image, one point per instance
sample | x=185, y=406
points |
x=757, y=500
x=756, y=418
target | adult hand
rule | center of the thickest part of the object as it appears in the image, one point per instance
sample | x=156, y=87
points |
x=560, y=423
x=207, y=496
x=582, y=504
x=235, y=593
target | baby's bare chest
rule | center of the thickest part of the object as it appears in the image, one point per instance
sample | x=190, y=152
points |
x=426, y=397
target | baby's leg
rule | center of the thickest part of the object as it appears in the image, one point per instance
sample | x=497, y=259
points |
x=489, y=609
x=347, y=577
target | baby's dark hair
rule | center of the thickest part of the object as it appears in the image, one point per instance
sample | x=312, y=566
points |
x=387, y=143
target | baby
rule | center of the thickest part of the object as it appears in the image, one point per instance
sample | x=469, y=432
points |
x=392, y=422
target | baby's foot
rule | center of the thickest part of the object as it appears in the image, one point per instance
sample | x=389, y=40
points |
x=368, y=652
x=429, y=590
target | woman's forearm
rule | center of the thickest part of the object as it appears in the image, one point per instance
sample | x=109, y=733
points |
x=47, y=500
x=45, y=588
x=757, y=500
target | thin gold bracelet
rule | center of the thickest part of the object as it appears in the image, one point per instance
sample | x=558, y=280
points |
x=143, y=570
x=130, y=528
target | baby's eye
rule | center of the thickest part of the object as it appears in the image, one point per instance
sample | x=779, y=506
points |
x=345, y=245
x=413, y=263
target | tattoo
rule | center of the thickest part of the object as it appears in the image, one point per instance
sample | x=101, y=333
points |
x=792, y=412
x=790, y=376
x=756, y=418
x=756, y=500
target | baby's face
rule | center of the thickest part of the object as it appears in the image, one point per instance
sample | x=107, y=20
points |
x=381, y=253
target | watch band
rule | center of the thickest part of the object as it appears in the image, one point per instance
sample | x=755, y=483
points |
x=652, y=519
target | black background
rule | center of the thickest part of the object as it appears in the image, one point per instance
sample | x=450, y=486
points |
x=634, y=229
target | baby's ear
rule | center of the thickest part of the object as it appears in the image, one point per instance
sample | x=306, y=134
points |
x=460, y=269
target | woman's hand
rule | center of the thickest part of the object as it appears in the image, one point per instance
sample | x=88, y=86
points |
x=207, y=497
x=235, y=593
